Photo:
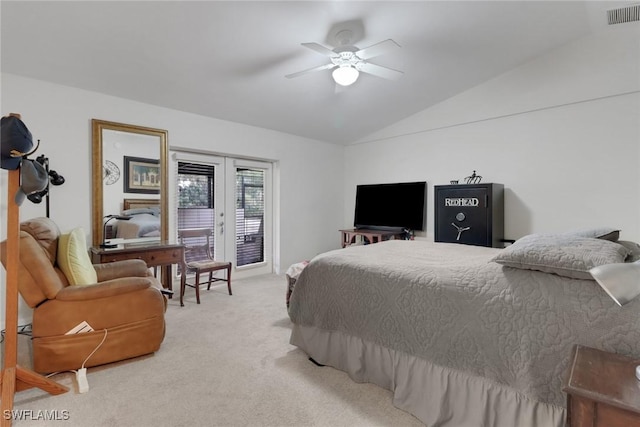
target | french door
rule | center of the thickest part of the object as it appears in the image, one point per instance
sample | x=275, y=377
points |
x=234, y=198
x=249, y=197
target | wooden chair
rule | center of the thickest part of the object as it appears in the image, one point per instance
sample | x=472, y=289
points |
x=199, y=260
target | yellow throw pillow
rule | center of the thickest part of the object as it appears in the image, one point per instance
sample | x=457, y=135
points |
x=74, y=260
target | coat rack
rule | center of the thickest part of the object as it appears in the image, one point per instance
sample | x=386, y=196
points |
x=16, y=378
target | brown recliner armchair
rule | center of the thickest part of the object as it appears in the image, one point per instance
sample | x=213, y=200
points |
x=126, y=302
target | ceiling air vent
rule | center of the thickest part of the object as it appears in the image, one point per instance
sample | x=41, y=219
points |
x=624, y=14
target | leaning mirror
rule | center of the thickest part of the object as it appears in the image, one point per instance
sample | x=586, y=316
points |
x=130, y=181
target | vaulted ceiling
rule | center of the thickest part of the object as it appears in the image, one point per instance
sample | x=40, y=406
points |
x=228, y=59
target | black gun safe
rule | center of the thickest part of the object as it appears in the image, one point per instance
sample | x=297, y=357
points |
x=472, y=214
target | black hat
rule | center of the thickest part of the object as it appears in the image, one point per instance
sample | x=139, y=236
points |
x=15, y=140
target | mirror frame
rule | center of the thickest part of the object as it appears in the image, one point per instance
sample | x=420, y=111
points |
x=97, y=126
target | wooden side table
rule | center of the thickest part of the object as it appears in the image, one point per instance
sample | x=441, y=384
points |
x=155, y=254
x=602, y=390
x=373, y=236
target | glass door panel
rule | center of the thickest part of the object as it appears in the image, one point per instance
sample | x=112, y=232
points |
x=200, y=198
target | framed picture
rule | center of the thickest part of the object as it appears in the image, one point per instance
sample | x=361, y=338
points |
x=141, y=175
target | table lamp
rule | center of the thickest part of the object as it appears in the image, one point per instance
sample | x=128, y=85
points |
x=621, y=282
x=104, y=230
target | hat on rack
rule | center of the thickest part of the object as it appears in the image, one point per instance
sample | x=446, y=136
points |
x=15, y=140
x=33, y=179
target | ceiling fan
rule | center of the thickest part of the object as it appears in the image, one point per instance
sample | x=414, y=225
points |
x=347, y=61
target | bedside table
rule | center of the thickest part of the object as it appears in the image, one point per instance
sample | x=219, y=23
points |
x=602, y=390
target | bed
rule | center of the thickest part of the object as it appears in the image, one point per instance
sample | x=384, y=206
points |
x=144, y=222
x=464, y=335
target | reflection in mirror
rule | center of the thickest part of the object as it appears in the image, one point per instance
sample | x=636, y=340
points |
x=129, y=179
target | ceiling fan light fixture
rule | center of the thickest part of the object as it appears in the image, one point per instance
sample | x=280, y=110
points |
x=345, y=75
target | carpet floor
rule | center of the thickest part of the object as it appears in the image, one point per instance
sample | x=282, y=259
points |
x=224, y=362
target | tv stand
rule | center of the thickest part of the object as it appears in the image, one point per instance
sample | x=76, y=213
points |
x=373, y=236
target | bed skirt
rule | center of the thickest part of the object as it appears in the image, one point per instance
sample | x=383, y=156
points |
x=437, y=396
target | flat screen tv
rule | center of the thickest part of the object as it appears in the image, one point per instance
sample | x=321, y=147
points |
x=391, y=206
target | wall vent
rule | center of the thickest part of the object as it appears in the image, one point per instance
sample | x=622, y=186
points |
x=624, y=15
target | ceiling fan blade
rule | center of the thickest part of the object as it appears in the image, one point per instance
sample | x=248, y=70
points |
x=310, y=70
x=380, y=71
x=377, y=49
x=320, y=49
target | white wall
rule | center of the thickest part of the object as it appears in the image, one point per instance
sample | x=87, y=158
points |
x=562, y=133
x=310, y=184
